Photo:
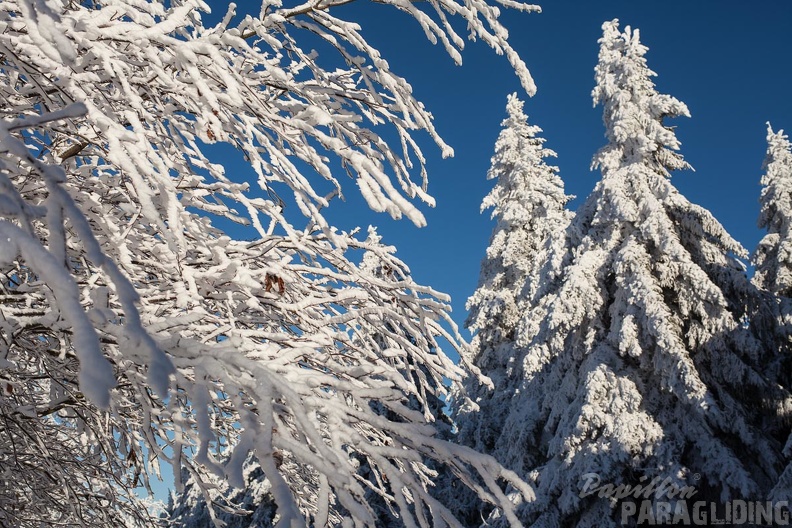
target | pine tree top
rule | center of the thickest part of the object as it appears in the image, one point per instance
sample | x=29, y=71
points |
x=773, y=257
x=776, y=197
x=633, y=109
x=527, y=202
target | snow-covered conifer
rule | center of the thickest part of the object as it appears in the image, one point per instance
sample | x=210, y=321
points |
x=642, y=368
x=773, y=261
x=528, y=205
x=773, y=256
x=772, y=317
x=205, y=504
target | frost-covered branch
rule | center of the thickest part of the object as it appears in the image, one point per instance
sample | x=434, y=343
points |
x=182, y=344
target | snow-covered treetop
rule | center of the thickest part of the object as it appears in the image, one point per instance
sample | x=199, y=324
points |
x=773, y=257
x=520, y=169
x=633, y=111
x=528, y=205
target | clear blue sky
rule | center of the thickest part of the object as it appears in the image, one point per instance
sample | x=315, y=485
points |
x=729, y=61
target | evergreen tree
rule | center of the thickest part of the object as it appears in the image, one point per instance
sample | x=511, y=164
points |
x=527, y=203
x=773, y=256
x=252, y=505
x=772, y=317
x=773, y=261
x=639, y=366
x=771, y=309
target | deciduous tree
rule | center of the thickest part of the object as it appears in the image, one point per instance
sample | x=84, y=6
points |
x=129, y=321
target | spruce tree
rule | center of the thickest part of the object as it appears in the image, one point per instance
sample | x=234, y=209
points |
x=639, y=365
x=773, y=257
x=771, y=312
x=772, y=318
x=773, y=261
x=528, y=205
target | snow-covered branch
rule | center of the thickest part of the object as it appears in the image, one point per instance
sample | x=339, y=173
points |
x=310, y=350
